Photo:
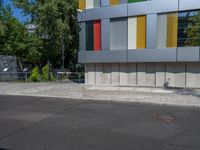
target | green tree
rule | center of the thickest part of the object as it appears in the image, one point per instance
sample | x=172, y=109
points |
x=57, y=27
x=16, y=40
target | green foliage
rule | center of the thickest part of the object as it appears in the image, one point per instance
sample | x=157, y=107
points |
x=35, y=76
x=56, y=26
x=45, y=76
x=15, y=39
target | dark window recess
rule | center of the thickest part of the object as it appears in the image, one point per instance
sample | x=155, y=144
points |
x=89, y=36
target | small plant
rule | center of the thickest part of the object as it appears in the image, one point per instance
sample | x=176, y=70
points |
x=45, y=74
x=45, y=71
x=35, y=76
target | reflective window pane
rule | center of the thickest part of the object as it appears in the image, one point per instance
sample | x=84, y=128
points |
x=189, y=28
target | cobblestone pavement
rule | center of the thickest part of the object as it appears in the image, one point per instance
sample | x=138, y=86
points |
x=182, y=97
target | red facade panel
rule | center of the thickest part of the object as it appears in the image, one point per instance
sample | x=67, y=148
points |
x=97, y=35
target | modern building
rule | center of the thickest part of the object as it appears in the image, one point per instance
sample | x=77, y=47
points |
x=140, y=43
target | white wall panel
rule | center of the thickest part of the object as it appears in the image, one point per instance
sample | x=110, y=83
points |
x=132, y=33
x=162, y=31
x=89, y=4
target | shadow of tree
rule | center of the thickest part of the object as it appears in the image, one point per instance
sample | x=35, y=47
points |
x=183, y=91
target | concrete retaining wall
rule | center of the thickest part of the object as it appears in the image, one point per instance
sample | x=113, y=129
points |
x=175, y=74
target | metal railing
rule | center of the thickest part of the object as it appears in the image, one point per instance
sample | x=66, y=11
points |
x=70, y=76
x=77, y=77
x=14, y=76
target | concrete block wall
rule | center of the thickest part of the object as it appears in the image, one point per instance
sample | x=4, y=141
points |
x=173, y=74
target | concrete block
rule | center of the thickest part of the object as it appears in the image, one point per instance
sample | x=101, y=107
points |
x=106, y=74
x=115, y=74
x=160, y=74
x=91, y=74
x=132, y=74
x=99, y=73
x=141, y=74
x=180, y=75
x=193, y=74
x=150, y=74
x=123, y=74
x=170, y=74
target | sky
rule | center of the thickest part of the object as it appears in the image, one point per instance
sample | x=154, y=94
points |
x=16, y=12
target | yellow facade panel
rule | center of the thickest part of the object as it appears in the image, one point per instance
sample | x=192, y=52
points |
x=141, y=32
x=172, y=29
x=81, y=4
x=114, y=2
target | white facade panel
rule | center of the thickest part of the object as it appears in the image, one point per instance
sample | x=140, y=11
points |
x=89, y=4
x=162, y=31
x=132, y=33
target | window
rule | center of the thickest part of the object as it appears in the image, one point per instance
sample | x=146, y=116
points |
x=93, y=35
x=118, y=34
x=178, y=29
x=189, y=28
x=137, y=32
x=167, y=25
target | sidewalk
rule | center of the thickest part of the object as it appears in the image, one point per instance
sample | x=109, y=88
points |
x=178, y=97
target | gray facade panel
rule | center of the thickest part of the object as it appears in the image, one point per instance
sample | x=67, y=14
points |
x=106, y=56
x=82, y=36
x=135, y=9
x=189, y=4
x=131, y=9
x=81, y=16
x=118, y=34
x=105, y=34
x=188, y=54
x=151, y=31
x=106, y=12
x=105, y=3
x=123, y=1
x=81, y=57
x=97, y=3
x=158, y=6
x=152, y=55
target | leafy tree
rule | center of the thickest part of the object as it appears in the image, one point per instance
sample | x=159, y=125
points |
x=57, y=27
x=16, y=40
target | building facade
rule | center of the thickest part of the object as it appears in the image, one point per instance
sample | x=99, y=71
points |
x=140, y=43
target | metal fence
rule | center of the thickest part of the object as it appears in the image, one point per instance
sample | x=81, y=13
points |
x=14, y=76
x=70, y=76
x=77, y=77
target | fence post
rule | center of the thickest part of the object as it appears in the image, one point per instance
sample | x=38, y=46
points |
x=79, y=77
x=26, y=76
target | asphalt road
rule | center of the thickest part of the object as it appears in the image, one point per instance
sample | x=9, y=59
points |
x=30, y=123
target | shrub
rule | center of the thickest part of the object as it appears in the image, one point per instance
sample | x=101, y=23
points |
x=35, y=76
x=45, y=71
